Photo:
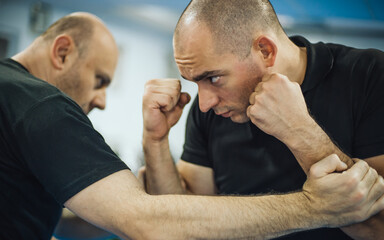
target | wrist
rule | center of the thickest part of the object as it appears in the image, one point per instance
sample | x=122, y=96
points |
x=154, y=139
x=153, y=148
x=303, y=134
x=311, y=212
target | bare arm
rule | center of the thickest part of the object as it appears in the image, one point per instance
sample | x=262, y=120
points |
x=373, y=228
x=197, y=179
x=118, y=204
x=163, y=104
x=278, y=108
x=161, y=175
x=71, y=226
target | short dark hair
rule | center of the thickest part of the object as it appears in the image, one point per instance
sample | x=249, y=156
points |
x=233, y=22
x=78, y=27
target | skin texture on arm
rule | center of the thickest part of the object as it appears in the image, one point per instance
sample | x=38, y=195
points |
x=277, y=105
x=272, y=100
x=194, y=179
x=278, y=108
x=161, y=175
x=198, y=180
x=72, y=227
x=163, y=104
x=119, y=204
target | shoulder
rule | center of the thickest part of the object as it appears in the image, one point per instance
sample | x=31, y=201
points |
x=360, y=68
x=357, y=59
x=21, y=92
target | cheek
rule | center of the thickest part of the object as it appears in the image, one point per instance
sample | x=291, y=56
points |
x=87, y=83
x=84, y=91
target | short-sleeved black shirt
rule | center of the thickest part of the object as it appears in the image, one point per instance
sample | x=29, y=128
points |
x=344, y=91
x=49, y=151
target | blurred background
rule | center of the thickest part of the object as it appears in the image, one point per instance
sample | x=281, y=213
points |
x=143, y=30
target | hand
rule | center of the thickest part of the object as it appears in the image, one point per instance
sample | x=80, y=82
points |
x=347, y=197
x=278, y=106
x=163, y=105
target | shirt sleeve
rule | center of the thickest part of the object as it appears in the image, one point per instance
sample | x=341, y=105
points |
x=369, y=134
x=196, y=138
x=61, y=148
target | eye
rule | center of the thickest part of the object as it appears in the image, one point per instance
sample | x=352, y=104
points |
x=101, y=82
x=214, y=79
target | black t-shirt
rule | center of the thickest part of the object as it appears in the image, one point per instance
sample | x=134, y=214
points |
x=343, y=89
x=49, y=151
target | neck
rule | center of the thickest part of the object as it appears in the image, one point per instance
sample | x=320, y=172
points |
x=35, y=60
x=292, y=62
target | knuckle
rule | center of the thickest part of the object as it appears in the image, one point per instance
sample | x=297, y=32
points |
x=352, y=181
x=259, y=99
x=363, y=164
x=374, y=172
x=149, y=87
x=151, y=81
x=275, y=75
x=381, y=183
x=169, y=99
x=280, y=77
x=313, y=171
x=359, y=195
x=260, y=86
x=334, y=157
x=252, y=111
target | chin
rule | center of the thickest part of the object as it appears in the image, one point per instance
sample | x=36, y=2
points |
x=240, y=118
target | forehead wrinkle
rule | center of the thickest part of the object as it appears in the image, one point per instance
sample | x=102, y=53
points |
x=185, y=62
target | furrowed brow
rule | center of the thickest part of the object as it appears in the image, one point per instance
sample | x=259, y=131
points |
x=206, y=74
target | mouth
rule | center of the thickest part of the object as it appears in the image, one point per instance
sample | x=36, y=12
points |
x=224, y=114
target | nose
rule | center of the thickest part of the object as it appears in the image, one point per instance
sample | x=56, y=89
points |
x=99, y=100
x=207, y=98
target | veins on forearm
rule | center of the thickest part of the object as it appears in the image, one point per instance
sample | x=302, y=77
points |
x=311, y=143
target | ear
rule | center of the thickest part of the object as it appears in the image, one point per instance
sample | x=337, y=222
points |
x=62, y=47
x=267, y=48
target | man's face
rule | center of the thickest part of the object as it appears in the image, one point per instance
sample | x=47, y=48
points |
x=90, y=75
x=225, y=81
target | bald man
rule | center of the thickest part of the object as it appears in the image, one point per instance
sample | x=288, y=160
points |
x=50, y=156
x=249, y=130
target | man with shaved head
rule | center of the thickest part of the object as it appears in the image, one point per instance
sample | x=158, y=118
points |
x=268, y=108
x=50, y=156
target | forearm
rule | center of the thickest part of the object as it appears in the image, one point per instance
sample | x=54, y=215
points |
x=309, y=144
x=372, y=229
x=134, y=214
x=119, y=204
x=161, y=176
x=312, y=144
x=72, y=227
x=228, y=218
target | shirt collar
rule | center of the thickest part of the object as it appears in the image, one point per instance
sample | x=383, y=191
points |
x=13, y=62
x=319, y=62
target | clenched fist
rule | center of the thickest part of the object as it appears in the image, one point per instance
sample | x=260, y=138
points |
x=163, y=104
x=277, y=106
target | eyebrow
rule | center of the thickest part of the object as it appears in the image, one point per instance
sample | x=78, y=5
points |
x=205, y=75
